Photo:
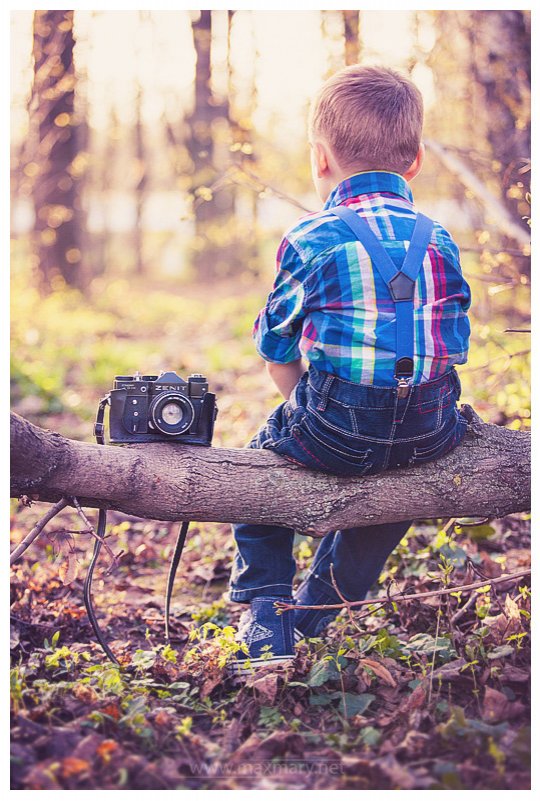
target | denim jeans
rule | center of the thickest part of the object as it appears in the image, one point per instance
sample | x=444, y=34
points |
x=333, y=426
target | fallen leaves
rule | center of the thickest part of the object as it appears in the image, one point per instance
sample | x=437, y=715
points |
x=71, y=766
x=379, y=670
x=497, y=707
x=368, y=705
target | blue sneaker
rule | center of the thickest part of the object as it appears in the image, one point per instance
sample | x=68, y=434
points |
x=268, y=635
x=312, y=622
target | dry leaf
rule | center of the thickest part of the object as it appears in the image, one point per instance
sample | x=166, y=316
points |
x=69, y=568
x=416, y=699
x=380, y=671
x=495, y=705
x=266, y=686
x=106, y=749
x=71, y=766
x=85, y=693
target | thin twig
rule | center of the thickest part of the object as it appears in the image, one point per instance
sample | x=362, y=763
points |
x=413, y=596
x=517, y=330
x=91, y=530
x=509, y=251
x=509, y=356
x=439, y=615
x=36, y=531
x=345, y=601
x=460, y=612
x=253, y=177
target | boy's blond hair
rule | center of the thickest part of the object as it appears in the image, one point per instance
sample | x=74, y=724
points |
x=371, y=117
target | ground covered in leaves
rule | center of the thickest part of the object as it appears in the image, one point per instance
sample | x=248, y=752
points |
x=416, y=695
x=424, y=694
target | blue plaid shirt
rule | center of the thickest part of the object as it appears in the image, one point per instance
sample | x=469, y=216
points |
x=331, y=306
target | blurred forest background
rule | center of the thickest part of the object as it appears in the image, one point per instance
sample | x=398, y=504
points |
x=157, y=157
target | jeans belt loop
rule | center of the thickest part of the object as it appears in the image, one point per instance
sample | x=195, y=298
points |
x=328, y=381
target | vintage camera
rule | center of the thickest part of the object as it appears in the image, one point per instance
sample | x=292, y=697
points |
x=162, y=408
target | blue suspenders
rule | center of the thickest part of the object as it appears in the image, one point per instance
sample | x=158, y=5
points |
x=400, y=282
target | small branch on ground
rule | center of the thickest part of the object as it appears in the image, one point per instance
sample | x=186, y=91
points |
x=36, y=531
x=345, y=601
x=91, y=530
x=413, y=596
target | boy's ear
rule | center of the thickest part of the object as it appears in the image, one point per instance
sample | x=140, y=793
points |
x=416, y=166
x=321, y=159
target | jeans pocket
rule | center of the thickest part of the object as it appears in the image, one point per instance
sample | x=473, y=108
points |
x=338, y=453
x=435, y=450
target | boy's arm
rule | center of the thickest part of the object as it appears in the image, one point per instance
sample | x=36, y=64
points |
x=278, y=327
x=285, y=376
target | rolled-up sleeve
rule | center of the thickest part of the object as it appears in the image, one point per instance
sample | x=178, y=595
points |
x=278, y=327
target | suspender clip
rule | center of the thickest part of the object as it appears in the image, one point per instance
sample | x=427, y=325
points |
x=403, y=387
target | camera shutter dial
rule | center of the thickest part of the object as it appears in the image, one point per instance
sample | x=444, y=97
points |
x=172, y=413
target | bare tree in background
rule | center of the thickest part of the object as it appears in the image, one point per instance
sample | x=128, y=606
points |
x=490, y=125
x=351, y=28
x=140, y=185
x=59, y=217
x=501, y=65
x=213, y=197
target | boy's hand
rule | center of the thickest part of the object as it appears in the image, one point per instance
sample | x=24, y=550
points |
x=286, y=376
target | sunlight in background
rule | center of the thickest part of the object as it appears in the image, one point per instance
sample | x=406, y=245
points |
x=278, y=61
x=117, y=49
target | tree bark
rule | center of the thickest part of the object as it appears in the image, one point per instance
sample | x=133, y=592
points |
x=213, y=201
x=488, y=474
x=59, y=216
x=351, y=30
x=501, y=64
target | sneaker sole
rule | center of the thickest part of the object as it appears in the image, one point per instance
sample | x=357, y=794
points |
x=298, y=636
x=239, y=669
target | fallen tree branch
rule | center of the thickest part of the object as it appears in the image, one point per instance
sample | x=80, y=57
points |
x=487, y=475
x=488, y=582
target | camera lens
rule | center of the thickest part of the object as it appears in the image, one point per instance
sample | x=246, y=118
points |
x=172, y=413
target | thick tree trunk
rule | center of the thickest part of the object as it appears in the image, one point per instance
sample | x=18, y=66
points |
x=59, y=217
x=216, y=254
x=488, y=475
x=351, y=30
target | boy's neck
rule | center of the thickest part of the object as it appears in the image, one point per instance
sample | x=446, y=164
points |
x=343, y=175
x=328, y=173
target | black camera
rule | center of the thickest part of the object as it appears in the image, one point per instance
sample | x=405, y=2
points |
x=162, y=408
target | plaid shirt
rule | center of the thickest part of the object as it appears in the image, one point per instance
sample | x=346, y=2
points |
x=331, y=306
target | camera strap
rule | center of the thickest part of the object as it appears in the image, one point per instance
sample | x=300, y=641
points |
x=99, y=434
x=178, y=548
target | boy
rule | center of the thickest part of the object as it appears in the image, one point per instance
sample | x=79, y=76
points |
x=370, y=293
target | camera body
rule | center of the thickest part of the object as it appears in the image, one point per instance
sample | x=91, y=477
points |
x=162, y=408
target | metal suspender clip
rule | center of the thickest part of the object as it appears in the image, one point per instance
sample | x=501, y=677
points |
x=403, y=376
x=403, y=387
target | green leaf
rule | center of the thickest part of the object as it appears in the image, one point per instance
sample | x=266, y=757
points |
x=370, y=736
x=323, y=699
x=352, y=704
x=478, y=532
x=426, y=644
x=500, y=651
x=322, y=672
